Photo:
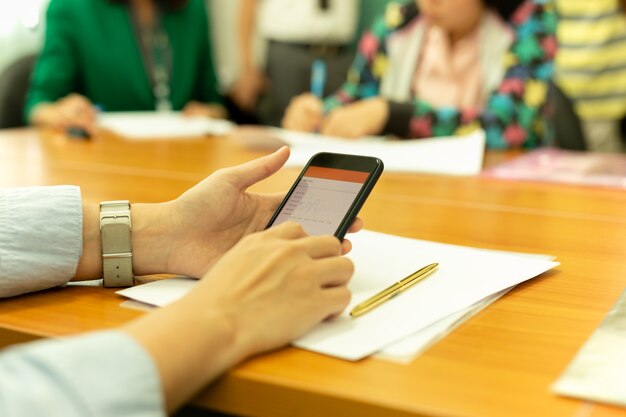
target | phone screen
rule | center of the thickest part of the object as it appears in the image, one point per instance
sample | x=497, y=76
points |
x=322, y=198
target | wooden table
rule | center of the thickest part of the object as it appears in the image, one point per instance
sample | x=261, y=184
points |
x=500, y=363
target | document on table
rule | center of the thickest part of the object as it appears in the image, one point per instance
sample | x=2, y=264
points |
x=598, y=372
x=405, y=350
x=162, y=125
x=462, y=155
x=465, y=277
x=559, y=165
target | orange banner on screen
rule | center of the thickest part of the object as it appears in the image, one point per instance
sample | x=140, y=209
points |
x=336, y=174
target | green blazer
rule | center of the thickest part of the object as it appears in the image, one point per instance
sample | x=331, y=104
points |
x=91, y=49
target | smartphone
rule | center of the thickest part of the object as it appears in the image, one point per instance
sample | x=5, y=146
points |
x=329, y=192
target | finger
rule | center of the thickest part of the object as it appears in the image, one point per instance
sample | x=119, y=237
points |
x=251, y=172
x=287, y=230
x=296, y=119
x=80, y=105
x=333, y=272
x=335, y=300
x=321, y=246
x=356, y=225
x=346, y=246
x=72, y=119
x=77, y=106
x=312, y=108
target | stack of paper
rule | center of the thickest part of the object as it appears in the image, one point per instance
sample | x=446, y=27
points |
x=466, y=277
x=162, y=125
x=462, y=155
x=598, y=372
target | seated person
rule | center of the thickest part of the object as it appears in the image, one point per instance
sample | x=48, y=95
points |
x=444, y=67
x=258, y=292
x=591, y=67
x=298, y=34
x=122, y=55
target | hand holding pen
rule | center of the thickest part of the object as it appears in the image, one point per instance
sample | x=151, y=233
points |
x=73, y=114
x=305, y=113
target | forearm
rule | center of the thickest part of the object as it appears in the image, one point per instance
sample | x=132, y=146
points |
x=184, y=367
x=149, y=242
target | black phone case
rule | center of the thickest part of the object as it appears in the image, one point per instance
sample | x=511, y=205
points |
x=345, y=163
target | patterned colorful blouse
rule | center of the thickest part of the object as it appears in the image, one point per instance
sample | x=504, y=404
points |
x=515, y=114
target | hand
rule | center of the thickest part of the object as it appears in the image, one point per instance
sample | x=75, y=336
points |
x=213, y=111
x=246, y=89
x=188, y=235
x=277, y=284
x=363, y=118
x=72, y=111
x=269, y=289
x=304, y=113
x=202, y=224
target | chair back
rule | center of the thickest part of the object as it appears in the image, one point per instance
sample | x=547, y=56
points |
x=14, y=82
x=567, y=127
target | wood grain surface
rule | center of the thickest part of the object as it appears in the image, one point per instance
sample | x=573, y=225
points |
x=499, y=363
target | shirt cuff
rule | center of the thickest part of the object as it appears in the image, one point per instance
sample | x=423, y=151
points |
x=41, y=239
x=399, y=118
x=98, y=374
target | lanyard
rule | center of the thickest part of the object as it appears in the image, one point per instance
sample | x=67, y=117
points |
x=156, y=53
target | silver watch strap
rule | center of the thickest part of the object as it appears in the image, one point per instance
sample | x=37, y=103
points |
x=117, y=258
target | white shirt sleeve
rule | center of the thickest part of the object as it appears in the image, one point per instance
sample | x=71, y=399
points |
x=104, y=374
x=40, y=237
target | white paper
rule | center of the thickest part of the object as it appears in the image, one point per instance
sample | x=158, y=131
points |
x=162, y=125
x=160, y=293
x=465, y=276
x=461, y=155
x=405, y=350
x=598, y=372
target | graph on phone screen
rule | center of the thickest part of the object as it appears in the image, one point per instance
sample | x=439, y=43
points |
x=322, y=198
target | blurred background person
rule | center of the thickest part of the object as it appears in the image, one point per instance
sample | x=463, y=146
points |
x=297, y=33
x=591, y=67
x=122, y=55
x=444, y=67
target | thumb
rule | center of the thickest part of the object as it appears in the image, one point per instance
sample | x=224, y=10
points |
x=246, y=174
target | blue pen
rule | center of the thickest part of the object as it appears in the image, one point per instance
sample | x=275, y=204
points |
x=318, y=78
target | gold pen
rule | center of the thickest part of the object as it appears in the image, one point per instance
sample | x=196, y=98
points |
x=393, y=290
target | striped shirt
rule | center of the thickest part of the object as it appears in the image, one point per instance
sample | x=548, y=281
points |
x=591, y=60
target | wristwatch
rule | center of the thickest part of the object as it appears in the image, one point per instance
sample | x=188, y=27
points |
x=117, y=255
